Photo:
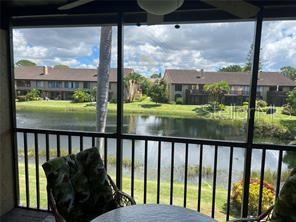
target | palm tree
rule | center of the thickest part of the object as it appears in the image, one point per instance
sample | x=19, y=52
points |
x=131, y=82
x=103, y=80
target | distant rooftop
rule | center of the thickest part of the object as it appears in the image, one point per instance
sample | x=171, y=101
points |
x=63, y=74
x=185, y=76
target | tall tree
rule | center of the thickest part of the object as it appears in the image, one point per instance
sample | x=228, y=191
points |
x=145, y=85
x=289, y=72
x=24, y=62
x=103, y=80
x=131, y=83
x=159, y=92
x=155, y=76
x=248, y=65
x=231, y=68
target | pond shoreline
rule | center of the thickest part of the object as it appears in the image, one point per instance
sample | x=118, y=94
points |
x=278, y=126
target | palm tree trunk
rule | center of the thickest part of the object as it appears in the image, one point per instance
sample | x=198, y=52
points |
x=103, y=80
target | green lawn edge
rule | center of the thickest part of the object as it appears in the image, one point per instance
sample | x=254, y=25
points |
x=149, y=108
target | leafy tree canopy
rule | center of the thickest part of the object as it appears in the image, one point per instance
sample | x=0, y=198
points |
x=131, y=83
x=289, y=72
x=292, y=99
x=24, y=62
x=33, y=94
x=140, y=80
x=158, y=92
x=217, y=90
x=81, y=96
x=155, y=76
x=61, y=66
x=231, y=68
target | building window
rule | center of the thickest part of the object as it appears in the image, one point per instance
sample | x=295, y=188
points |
x=260, y=89
x=23, y=83
x=194, y=87
x=86, y=85
x=178, y=87
x=40, y=84
x=54, y=84
x=72, y=85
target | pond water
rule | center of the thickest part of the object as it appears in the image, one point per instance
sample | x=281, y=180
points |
x=152, y=125
x=135, y=124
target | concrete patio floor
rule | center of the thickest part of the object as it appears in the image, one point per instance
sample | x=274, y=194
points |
x=24, y=215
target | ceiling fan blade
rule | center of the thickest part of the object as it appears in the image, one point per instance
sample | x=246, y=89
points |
x=154, y=19
x=74, y=4
x=238, y=8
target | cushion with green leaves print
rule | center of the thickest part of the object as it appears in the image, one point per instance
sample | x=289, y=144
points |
x=79, y=185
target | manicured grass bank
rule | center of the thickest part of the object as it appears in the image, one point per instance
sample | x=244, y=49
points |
x=277, y=125
x=206, y=196
x=147, y=107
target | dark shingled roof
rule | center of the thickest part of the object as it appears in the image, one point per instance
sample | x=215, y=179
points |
x=63, y=74
x=177, y=76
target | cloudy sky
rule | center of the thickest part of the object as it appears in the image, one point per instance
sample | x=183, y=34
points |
x=150, y=49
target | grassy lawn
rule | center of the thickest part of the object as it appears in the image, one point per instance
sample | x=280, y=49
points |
x=206, y=196
x=147, y=107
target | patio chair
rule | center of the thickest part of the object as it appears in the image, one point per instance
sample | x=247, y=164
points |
x=284, y=209
x=79, y=188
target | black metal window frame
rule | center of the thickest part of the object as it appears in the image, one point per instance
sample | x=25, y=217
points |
x=55, y=84
x=71, y=84
x=23, y=83
x=40, y=84
x=178, y=87
x=86, y=85
x=119, y=135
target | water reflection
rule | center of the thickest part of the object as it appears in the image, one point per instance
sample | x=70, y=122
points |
x=151, y=125
x=136, y=124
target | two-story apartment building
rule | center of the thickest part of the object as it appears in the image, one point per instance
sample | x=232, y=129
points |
x=183, y=83
x=60, y=83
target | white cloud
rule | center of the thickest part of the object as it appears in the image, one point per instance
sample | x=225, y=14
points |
x=193, y=46
x=150, y=49
x=279, y=44
x=23, y=50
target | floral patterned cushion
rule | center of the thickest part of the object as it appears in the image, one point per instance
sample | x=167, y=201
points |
x=285, y=206
x=79, y=185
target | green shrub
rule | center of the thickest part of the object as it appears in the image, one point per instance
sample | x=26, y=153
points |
x=21, y=98
x=288, y=110
x=217, y=90
x=81, y=96
x=262, y=109
x=144, y=97
x=242, y=108
x=159, y=92
x=269, y=175
x=215, y=107
x=267, y=129
x=268, y=195
x=261, y=105
x=33, y=95
x=291, y=100
x=245, y=103
x=179, y=100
